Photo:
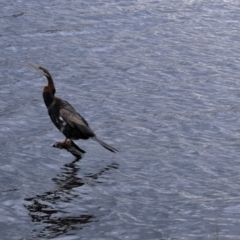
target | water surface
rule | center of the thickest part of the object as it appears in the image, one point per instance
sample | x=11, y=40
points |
x=159, y=80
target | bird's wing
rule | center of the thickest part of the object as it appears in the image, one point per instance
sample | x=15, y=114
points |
x=75, y=120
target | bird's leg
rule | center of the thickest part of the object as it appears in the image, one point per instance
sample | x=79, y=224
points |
x=71, y=147
x=62, y=144
x=65, y=141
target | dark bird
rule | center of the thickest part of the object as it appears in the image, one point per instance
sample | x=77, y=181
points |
x=64, y=116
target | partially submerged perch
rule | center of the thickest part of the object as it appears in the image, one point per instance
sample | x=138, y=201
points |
x=71, y=147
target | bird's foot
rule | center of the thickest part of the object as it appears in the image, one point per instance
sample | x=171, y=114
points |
x=70, y=146
x=66, y=141
x=64, y=144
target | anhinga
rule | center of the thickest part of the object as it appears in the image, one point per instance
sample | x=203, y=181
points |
x=64, y=116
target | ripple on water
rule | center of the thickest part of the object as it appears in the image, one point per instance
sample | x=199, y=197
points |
x=158, y=81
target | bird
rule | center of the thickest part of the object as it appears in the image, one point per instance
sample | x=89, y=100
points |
x=63, y=115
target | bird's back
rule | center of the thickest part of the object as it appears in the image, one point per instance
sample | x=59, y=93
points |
x=72, y=112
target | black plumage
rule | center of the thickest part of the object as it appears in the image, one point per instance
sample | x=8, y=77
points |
x=64, y=116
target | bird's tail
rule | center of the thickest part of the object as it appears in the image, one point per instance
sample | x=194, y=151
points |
x=108, y=147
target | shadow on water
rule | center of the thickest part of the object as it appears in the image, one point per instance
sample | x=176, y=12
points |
x=48, y=210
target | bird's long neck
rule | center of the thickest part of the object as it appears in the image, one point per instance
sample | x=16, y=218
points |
x=48, y=98
x=51, y=84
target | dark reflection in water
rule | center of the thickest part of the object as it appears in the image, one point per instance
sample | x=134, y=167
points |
x=68, y=179
x=45, y=211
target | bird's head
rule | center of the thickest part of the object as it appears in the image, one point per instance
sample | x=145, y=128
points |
x=47, y=74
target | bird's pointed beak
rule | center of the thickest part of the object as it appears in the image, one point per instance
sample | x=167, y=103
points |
x=37, y=68
x=31, y=65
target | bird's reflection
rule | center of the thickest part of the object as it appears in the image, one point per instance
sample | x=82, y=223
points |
x=47, y=210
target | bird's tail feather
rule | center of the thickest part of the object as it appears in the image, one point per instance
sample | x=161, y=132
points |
x=108, y=147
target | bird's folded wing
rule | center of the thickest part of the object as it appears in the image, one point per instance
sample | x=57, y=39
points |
x=76, y=121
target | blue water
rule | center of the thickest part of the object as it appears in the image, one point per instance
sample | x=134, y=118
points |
x=158, y=80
